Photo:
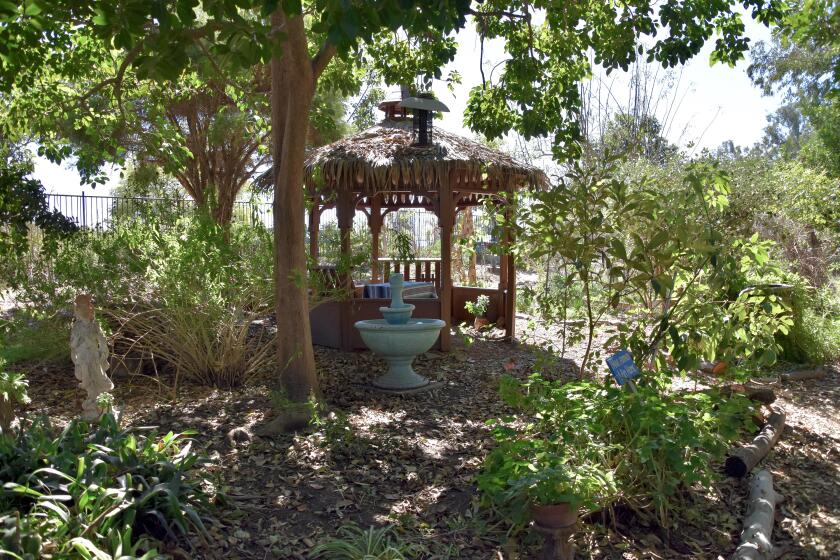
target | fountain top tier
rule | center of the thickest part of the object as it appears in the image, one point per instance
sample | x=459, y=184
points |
x=399, y=312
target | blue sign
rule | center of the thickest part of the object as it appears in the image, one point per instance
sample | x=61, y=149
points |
x=623, y=367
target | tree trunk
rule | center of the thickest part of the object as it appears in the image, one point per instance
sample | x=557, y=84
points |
x=293, y=79
x=292, y=90
x=223, y=211
x=744, y=459
x=756, y=542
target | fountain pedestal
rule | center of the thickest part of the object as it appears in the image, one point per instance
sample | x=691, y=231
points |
x=398, y=339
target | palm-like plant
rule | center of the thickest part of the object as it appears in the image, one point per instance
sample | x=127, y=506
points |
x=13, y=388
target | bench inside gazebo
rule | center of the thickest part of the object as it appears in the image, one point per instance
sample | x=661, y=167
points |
x=406, y=163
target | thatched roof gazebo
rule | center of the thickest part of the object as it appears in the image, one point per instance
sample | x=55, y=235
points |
x=385, y=168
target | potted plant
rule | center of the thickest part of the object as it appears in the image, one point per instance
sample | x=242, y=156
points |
x=532, y=479
x=478, y=309
x=556, y=492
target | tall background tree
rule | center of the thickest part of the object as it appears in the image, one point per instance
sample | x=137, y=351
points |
x=802, y=63
x=209, y=131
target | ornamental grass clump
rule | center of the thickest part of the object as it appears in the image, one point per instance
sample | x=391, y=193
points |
x=373, y=543
x=216, y=345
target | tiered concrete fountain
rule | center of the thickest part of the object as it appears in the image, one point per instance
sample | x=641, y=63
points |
x=398, y=339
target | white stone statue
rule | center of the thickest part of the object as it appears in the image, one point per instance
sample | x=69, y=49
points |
x=89, y=351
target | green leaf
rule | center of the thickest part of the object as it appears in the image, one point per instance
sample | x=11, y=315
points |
x=88, y=550
x=101, y=18
x=292, y=7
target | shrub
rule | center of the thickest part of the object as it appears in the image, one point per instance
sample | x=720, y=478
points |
x=815, y=336
x=329, y=244
x=657, y=249
x=813, y=333
x=652, y=444
x=187, y=292
x=403, y=246
x=524, y=471
x=29, y=336
x=210, y=344
x=23, y=204
x=96, y=491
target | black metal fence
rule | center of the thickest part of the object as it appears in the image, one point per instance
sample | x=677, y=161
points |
x=101, y=213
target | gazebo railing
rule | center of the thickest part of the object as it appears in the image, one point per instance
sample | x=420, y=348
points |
x=417, y=270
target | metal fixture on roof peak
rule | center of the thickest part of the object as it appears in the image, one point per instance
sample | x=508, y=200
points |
x=423, y=109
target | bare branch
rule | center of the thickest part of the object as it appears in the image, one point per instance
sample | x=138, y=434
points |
x=481, y=63
x=116, y=81
x=498, y=13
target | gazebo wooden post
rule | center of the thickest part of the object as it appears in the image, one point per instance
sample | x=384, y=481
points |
x=503, y=271
x=375, y=225
x=314, y=229
x=446, y=220
x=345, y=210
x=510, y=282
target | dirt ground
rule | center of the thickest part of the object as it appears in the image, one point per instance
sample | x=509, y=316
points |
x=411, y=461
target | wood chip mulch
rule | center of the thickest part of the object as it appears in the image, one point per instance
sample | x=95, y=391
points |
x=411, y=461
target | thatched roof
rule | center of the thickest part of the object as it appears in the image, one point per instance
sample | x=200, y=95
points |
x=382, y=159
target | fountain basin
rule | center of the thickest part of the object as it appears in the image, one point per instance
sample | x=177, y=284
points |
x=398, y=345
x=397, y=315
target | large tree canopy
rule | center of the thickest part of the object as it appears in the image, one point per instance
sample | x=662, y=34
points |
x=548, y=43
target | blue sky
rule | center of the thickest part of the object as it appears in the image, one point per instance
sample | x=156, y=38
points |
x=716, y=103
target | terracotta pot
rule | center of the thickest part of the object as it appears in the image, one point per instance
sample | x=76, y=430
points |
x=480, y=322
x=554, y=516
x=719, y=368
